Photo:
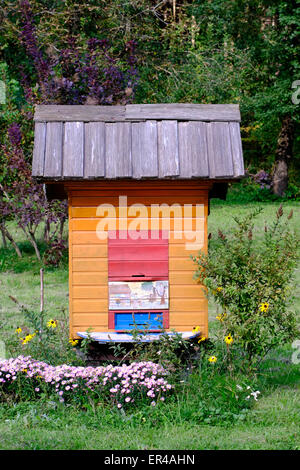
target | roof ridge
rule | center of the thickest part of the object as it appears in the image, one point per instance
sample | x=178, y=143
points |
x=139, y=112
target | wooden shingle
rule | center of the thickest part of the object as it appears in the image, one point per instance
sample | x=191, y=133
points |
x=94, y=161
x=144, y=149
x=54, y=148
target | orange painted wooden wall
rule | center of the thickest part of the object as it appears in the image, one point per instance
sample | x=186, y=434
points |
x=88, y=283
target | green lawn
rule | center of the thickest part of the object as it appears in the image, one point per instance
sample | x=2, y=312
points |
x=273, y=423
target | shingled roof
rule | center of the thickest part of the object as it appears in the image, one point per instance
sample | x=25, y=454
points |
x=143, y=141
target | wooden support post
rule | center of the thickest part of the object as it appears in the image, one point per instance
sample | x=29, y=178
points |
x=42, y=289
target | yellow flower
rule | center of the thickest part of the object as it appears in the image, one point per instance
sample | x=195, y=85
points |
x=52, y=324
x=27, y=338
x=196, y=329
x=73, y=342
x=221, y=317
x=228, y=339
x=18, y=330
x=264, y=307
x=202, y=338
x=212, y=359
x=219, y=289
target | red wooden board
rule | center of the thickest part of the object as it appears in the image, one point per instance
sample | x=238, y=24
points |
x=137, y=269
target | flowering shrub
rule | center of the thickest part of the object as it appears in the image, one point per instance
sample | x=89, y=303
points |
x=251, y=281
x=45, y=339
x=23, y=378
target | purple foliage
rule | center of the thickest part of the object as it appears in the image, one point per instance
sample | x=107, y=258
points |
x=21, y=197
x=263, y=179
x=77, y=75
x=54, y=252
x=14, y=134
x=74, y=75
x=25, y=199
x=29, y=40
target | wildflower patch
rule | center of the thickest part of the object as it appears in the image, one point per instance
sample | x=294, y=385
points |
x=24, y=378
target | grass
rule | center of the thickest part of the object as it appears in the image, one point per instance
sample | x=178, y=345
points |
x=272, y=423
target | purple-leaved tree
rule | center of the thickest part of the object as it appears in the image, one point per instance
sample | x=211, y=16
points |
x=75, y=74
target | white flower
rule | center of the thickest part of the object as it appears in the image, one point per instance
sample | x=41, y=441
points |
x=254, y=394
x=239, y=387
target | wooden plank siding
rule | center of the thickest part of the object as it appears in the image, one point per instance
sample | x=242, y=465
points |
x=88, y=253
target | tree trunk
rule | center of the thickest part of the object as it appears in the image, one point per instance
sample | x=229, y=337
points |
x=61, y=230
x=31, y=238
x=12, y=241
x=282, y=156
x=3, y=237
x=46, y=231
x=34, y=244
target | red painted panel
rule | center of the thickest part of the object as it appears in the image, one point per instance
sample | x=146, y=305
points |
x=141, y=259
x=111, y=320
x=166, y=321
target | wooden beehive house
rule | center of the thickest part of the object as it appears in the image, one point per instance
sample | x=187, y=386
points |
x=138, y=179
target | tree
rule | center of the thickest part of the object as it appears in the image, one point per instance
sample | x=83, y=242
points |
x=70, y=72
x=202, y=51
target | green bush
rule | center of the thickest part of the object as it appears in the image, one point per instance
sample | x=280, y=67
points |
x=251, y=281
x=249, y=191
x=171, y=351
